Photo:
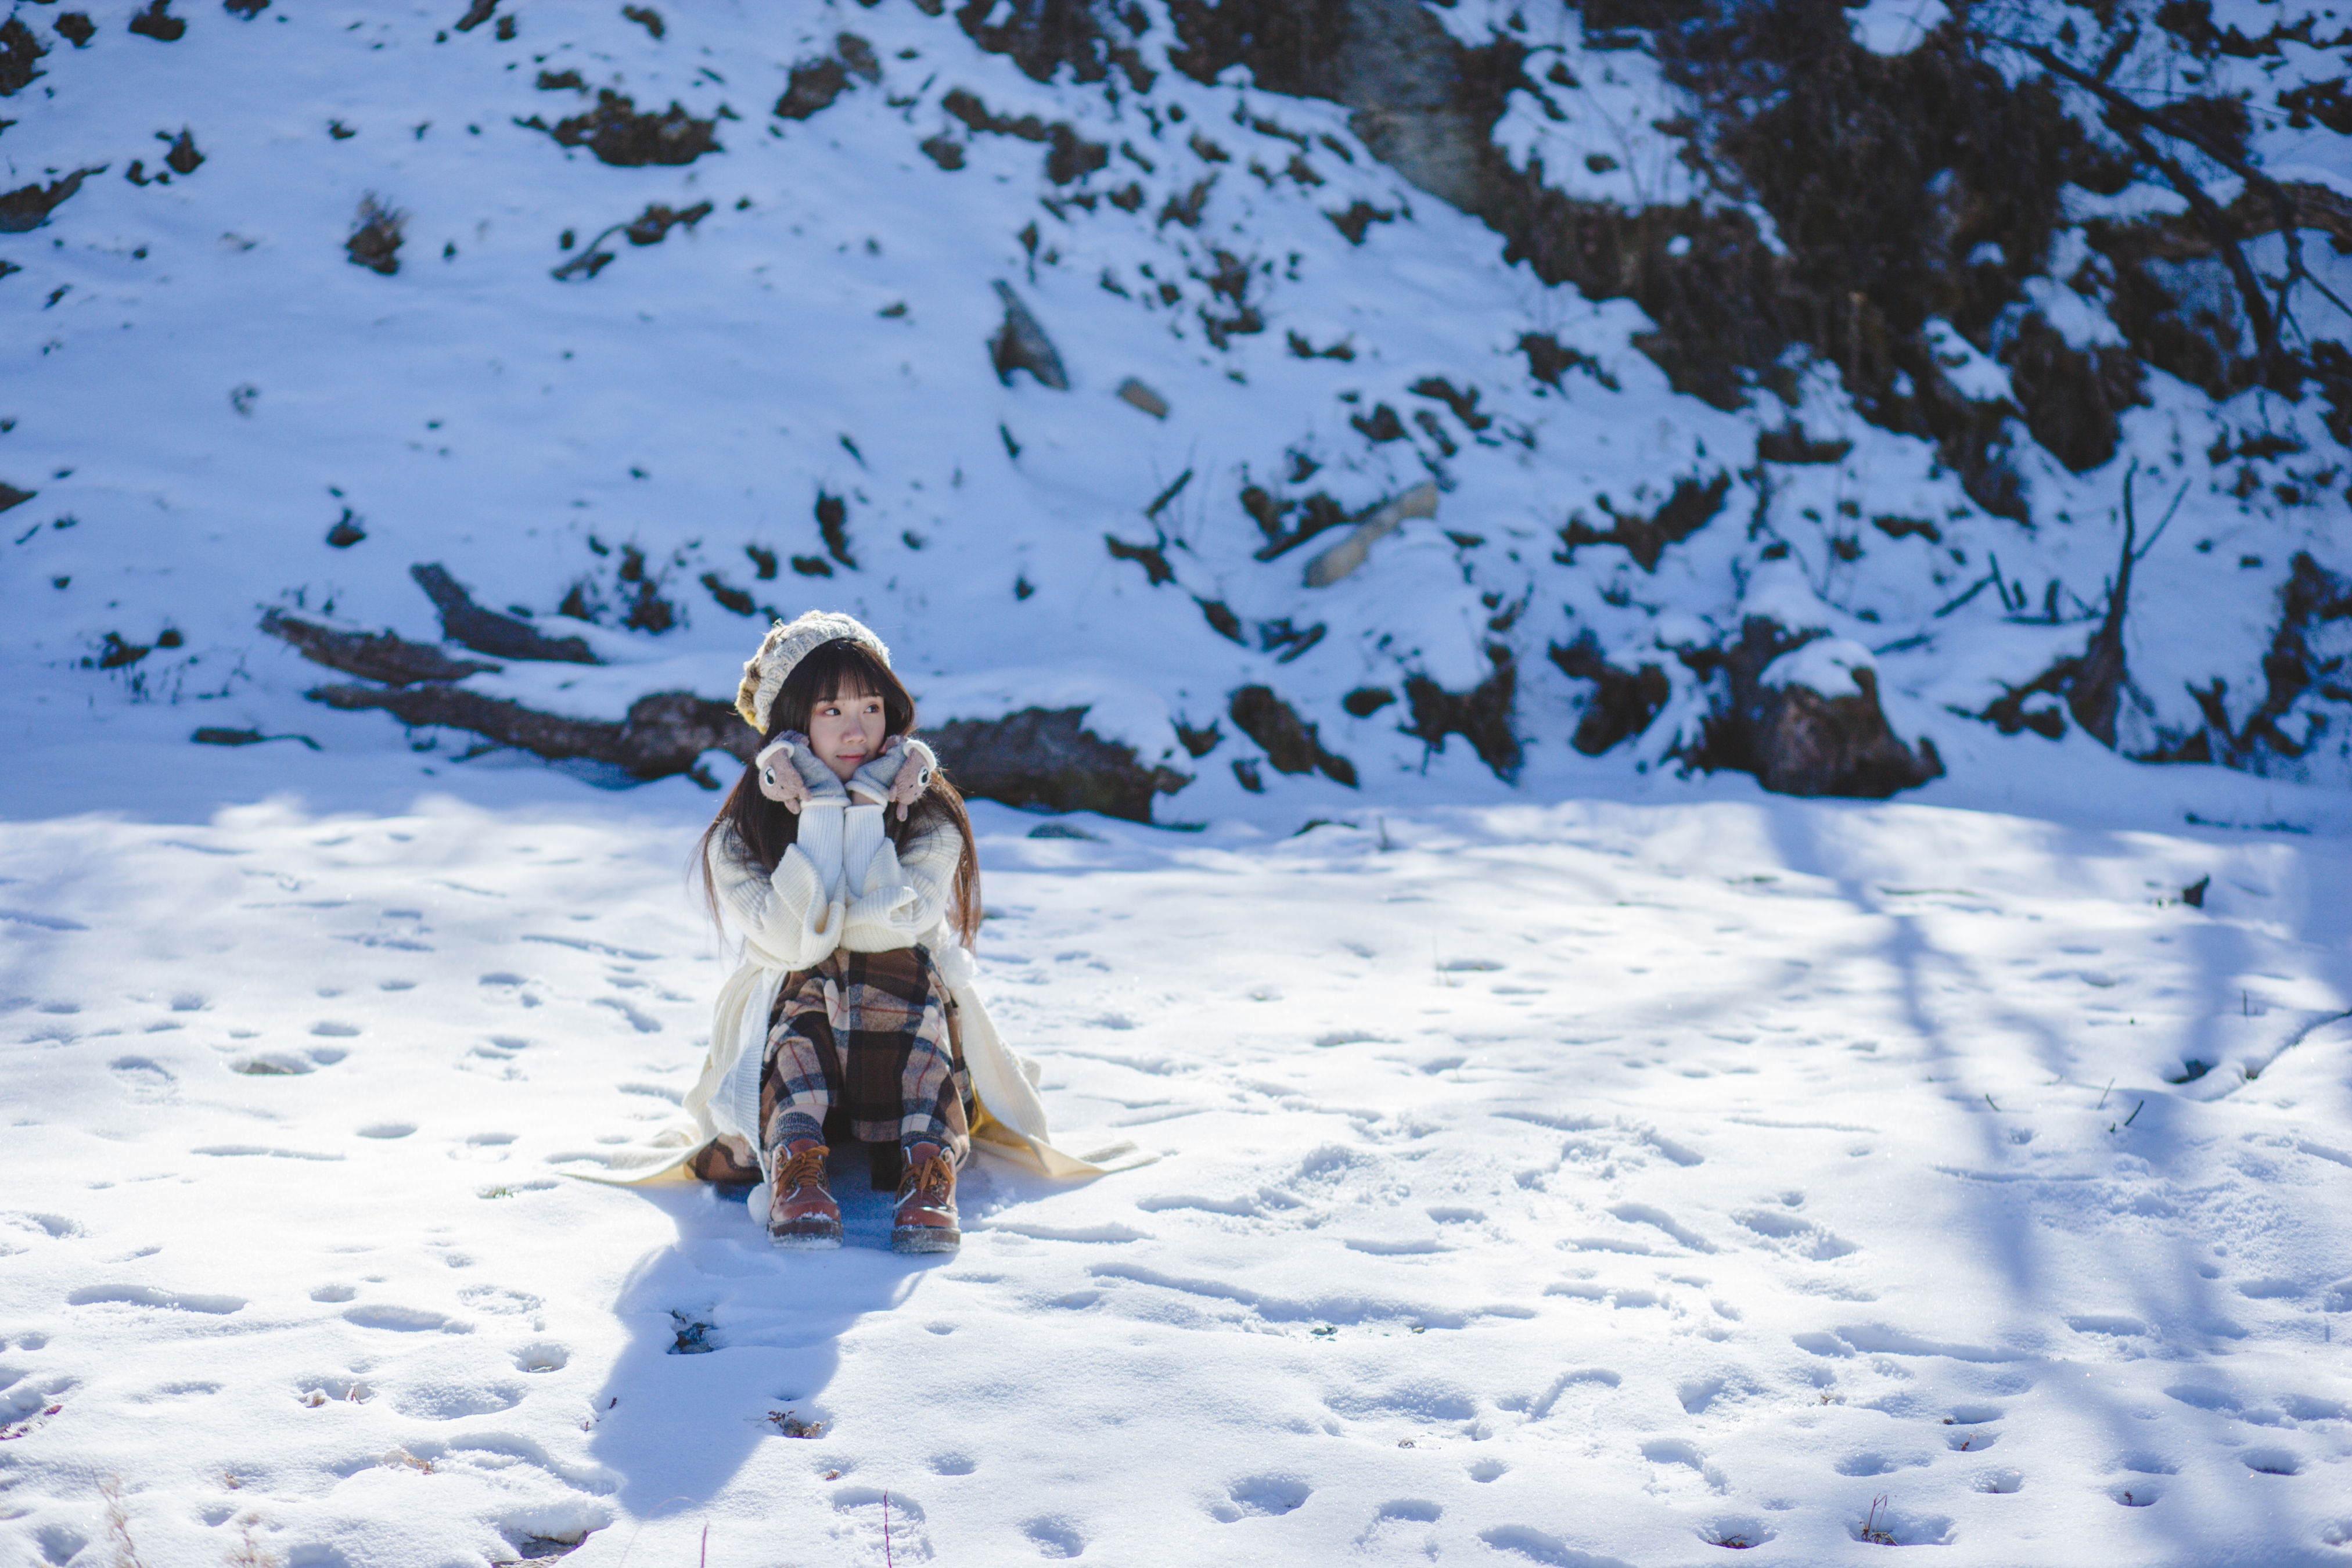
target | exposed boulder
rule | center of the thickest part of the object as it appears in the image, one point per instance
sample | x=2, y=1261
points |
x=1691, y=506
x=375, y=237
x=1022, y=344
x=813, y=84
x=1624, y=701
x=485, y=631
x=617, y=134
x=1047, y=758
x=1481, y=715
x=1804, y=716
x=157, y=22
x=27, y=207
x=19, y=52
x=1292, y=744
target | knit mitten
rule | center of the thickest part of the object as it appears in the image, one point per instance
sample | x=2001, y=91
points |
x=897, y=776
x=791, y=774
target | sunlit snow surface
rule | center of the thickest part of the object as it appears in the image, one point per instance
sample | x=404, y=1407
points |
x=1581, y=1182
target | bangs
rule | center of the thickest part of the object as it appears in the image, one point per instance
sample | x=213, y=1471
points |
x=841, y=669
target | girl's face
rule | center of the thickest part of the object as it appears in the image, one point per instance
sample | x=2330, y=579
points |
x=845, y=730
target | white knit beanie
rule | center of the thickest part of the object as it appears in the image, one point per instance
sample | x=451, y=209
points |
x=783, y=648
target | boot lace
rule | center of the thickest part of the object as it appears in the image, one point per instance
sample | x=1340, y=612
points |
x=931, y=1182
x=805, y=1169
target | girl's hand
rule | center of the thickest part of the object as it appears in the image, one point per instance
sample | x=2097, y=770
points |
x=791, y=774
x=898, y=776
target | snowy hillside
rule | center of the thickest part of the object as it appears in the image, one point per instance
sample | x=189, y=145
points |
x=648, y=325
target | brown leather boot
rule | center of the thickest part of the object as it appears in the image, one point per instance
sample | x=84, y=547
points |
x=926, y=1220
x=802, y=1214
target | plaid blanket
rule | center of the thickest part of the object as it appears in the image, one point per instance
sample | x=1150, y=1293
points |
x=873, y=1035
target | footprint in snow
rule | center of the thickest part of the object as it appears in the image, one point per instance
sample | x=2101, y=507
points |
x=1261, y=1497
x=143, y=1076
x=1054, y=1537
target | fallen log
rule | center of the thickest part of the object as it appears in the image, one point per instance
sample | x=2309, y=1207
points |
x=664, y=733
x=371, y=655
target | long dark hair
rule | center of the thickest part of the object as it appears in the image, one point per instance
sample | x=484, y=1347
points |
x=766, y=830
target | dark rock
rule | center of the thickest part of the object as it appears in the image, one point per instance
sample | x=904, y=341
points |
x=374, y=243
x=75, y=28
x=1358, y=219
x=157, y=23
x=1624, y=701
x=1070, y=157
x=1367, y=700
x=833, y=527
x=652, y=225
x=646, y=17
x=1317, y=513
x=485, y=631
x=29, y=206
x=2073, y=398
x=19, y=49
x=1798, y=742
x=966, y=106
x=2193, y=895
x=1135, y=394
x=729, y=599
x=1481, y=715
x=943, y=150
x=372, y=656
x=245, y=10
x=1380, y=425
x=1290, y=744
x=1153, y=559
x=1043, y=36
x=478, y=12
x=182, y=158
x=10, y=496
x=1464, y=403
x=1216, y=611
x=1691, y=508
x=1198, y=743
x=1187, y=208
x=347, y=530
x=812, y=86
x=664, y=734
x=1548, y=359
x=617, y=134
x=1022, y=344
x=117, y=654
x=1047, y=758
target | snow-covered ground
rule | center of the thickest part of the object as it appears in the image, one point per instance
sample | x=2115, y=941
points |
x=1568, y=1184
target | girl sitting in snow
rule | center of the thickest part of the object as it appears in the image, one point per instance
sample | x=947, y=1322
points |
x=845, y=859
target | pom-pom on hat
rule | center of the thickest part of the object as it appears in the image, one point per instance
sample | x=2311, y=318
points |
x=783, y=648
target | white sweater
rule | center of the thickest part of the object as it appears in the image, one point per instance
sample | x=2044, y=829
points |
x=842, y=885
